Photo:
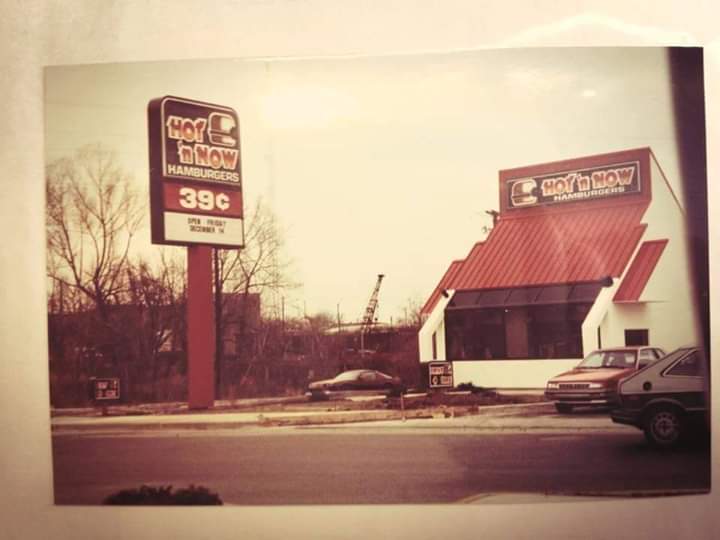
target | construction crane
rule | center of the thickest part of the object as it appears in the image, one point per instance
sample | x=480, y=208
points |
x=369, y=317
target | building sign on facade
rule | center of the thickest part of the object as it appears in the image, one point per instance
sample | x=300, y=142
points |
x=574, y=185
x=440, y=374
x=195, y=173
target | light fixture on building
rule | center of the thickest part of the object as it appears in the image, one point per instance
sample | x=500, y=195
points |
x=494, y=214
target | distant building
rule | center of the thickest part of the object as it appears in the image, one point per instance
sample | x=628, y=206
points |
x=241, y=319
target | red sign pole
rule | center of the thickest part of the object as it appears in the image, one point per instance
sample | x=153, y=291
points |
x=200, y=328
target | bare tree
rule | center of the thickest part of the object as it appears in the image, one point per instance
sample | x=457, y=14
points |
x=259, y=268
x=157, y=296
x=412, y=312
x=92, y=215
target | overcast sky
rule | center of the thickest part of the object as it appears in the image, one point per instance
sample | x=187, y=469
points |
x=380, y=164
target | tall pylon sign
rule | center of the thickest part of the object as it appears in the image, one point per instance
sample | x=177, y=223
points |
x=196, y=201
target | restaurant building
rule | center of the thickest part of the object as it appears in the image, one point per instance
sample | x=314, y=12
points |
x=584, y=253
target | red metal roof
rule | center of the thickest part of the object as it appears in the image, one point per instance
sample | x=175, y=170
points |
x=548, y=244
x=640, y=271
x=555, y=247
x=445, y=282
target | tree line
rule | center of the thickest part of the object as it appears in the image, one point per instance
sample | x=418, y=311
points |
x=113, y=311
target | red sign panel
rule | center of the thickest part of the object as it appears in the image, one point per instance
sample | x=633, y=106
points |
x=210, y=200
x=106, y=389
x=195, y=174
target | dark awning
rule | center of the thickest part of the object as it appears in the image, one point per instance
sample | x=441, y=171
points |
x=571, y=293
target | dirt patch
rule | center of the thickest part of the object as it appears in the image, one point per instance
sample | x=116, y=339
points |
x=462, y=399
x=456, y=403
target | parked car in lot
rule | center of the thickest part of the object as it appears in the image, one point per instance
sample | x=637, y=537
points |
x=668, y=400
x=593, y=382
x=356, y=381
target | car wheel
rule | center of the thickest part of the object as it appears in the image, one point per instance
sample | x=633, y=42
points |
x=563, y=408
x=664, y=426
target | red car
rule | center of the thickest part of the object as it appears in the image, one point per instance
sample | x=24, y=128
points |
x=594, y=381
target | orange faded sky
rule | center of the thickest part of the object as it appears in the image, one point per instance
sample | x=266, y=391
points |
x=380, y=164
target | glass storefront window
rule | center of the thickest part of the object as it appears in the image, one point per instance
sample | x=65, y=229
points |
x=550, y=331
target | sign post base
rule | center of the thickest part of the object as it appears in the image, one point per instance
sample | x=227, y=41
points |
x=200, y=328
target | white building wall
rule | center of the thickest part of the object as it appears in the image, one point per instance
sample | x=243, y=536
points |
x=596, y=317
x=510, y=373
x=434, y=324
x=666, y=306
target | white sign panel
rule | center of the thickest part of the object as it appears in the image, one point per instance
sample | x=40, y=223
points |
x=201, y=229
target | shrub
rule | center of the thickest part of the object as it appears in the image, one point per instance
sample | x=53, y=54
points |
x=468, y=386
x=163, y=495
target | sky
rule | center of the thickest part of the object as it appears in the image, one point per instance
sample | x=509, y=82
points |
x=381, y=164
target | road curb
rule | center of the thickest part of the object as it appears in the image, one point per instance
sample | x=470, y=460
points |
x=261, y=421
x=579, y=496
x=152, y=422
x=177, y=407
x=332, y=419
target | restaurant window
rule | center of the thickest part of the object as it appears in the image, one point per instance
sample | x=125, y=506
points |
x=475, y=334
x=555, y=331
x=550, y=331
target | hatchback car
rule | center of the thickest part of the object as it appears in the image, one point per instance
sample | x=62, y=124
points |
x=668, y=400
x=356, y=381
x=593, y=382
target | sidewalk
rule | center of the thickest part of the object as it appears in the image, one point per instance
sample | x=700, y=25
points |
x=539, y=416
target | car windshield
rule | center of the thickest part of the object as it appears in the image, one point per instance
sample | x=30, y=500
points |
x=348, y=375
x=609, y=359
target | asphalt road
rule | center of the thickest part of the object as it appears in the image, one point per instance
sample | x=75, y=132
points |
x=366, y=465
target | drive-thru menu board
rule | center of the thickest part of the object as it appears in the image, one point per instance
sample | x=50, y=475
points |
x=195, y=174
x=105, y=389
x=440, y=374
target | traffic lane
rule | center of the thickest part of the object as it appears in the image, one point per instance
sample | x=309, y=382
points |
x=590, y=463
x=341, y=466
x=253, y=469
